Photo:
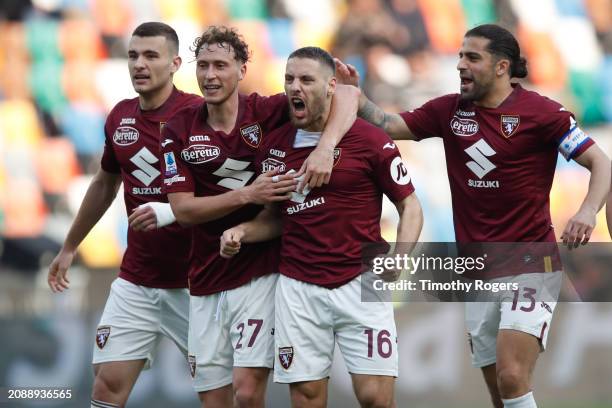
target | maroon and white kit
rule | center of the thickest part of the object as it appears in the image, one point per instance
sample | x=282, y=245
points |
x=318, y=297
x=232, y=300
x=149, y=297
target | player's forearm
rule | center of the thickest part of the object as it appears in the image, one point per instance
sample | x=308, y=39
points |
x=265, y=226
x=599, y=183
x=391, y=123
x=342, y=116
x=410, y=224
x=99, y=196
x=190, y=210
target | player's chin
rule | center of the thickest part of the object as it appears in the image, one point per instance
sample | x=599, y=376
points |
x=466, y=95
x=299, y=123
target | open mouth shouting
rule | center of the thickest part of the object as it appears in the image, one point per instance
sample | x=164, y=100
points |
x=299, y=107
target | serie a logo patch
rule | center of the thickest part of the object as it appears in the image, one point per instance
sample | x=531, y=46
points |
x=102, y=336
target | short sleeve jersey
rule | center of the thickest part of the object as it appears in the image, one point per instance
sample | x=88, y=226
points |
x=206, y=162
x=325, y=229
x=501, y=165
x=501, y=162
x=157, y=258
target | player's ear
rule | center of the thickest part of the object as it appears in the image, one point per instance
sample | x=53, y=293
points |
x=502, y=67
x=331, y=86
x=176, y=63
x=242, y=71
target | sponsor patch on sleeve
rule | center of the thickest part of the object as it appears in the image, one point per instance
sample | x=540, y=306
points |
x=399, y=172
x=170, y=162
x=572, y=141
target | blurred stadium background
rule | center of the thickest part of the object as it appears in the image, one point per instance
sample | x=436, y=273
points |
x=63, y=66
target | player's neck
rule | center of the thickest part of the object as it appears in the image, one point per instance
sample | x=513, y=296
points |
x=496, y=96
x=155, y=99
x=319, y=124
x=223, y=116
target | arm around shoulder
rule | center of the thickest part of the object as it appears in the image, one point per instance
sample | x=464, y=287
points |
x=391, y=123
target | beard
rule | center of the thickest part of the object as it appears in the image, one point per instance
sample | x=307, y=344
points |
x=314, y=110
x=477, y=93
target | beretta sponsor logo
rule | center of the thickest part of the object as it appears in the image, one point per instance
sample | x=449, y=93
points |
x=125, y=136
x=271, y=164
x=197, y=154
x=463, y=127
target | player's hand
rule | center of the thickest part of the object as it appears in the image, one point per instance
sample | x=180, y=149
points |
x=230, y=242
x=390, y=274
x=271, y=187
x=58, y=271
x=143, y=218
x=579, y=228
x=346, y=73
x=316, y=168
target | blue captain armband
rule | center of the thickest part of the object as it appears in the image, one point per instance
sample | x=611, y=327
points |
x=572, y=141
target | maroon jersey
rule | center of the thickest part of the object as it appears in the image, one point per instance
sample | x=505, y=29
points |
x=158, y=258
x=501, y=162
x=201, y=160
x=324, y=230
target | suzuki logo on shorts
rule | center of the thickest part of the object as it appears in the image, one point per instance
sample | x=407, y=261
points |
x=198, y=154
x=479, y=151
x=463, y=127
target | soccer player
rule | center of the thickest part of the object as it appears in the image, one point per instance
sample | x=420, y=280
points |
x=318, y=297
x=208, y=164
x=501, y=144
x=149, y=297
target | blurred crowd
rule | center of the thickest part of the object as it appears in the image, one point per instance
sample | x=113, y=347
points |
x=63, y=66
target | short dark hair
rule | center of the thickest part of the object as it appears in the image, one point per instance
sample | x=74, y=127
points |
x=223, y=35
x=502, y=44
x=317, y=54
x=154, y=29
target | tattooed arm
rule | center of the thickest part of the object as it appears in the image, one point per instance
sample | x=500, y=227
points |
x=391, y=123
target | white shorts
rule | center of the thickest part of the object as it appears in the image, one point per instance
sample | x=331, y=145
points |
x=310, y=317
x=233, y=328
x=531, y=313
x=133, y=319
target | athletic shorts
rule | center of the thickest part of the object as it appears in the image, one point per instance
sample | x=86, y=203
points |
x=529, y=311
x=134, y=318
x=309, y=318
x=233, y=328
